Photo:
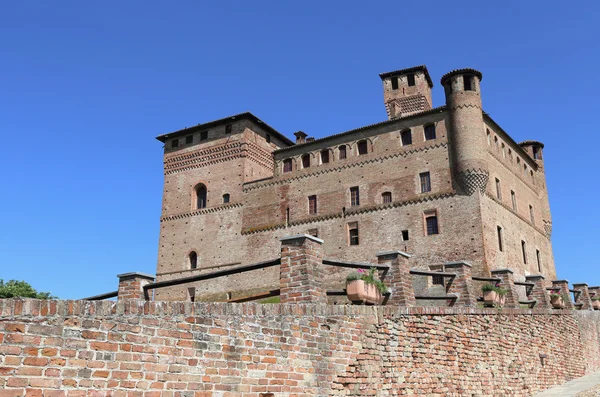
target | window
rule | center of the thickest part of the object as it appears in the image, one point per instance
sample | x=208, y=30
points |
x=503, y=151
x=287, y=216
x=192, y=294
x=539, y=260
x=524, y=251
x=537, y=153
x=354, y=196
x=193, y=257
x=438, y=280
x=306, y=161
x=287, y=165
x=386, y=197
x=510, y=157
x=342, y=151
x=489, y=138
x=324, y=156
x=531, y=214
x=312, y=204
x=411, y=79
x=226, y=198
x=429, y=132
x=513, y=198
x=431, y=224
x=496, y=143
x=175, y=143
x=406, y=137
x=201, y=196
x=498, y=189
x=353, y=233
x=500, y=239
x=362, y=147
x=228, y=129
x=313, y=232
x=405, y=235
x=204, y=135
x=425, y=182
x=394, y=83
x=189, y=139
x=268, y=138
x=467, y=80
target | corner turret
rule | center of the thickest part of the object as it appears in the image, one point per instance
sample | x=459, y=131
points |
x=406, y=91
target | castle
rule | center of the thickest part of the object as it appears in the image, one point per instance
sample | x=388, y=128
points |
x=440, y=183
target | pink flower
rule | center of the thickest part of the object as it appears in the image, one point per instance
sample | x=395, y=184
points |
x=361, y=270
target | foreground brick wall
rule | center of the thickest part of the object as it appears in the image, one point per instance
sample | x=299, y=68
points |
x=57, y=348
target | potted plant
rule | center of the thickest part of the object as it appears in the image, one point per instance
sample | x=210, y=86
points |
x=363, y=287
x=596, y=302
x=557, y=301
x=493, y=295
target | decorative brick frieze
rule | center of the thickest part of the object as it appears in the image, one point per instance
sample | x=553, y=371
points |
x=210, y=210
x=473, y=180
x=301, y=270
x=398, y=279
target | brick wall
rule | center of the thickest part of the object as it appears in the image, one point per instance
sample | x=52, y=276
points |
x=56, y=348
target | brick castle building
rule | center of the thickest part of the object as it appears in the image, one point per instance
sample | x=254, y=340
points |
x=440, y=183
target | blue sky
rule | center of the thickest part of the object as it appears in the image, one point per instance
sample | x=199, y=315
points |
x=85, y=87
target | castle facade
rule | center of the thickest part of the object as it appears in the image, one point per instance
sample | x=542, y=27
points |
x=440, y=183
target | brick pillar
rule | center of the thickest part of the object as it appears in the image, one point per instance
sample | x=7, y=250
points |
x=539, y=292
x=508, y=282
x=584, y=296
x=131, y=285
x=594, y=292
x=462, y=285
x=398, y=279
x=301, y=270
x=564, y=291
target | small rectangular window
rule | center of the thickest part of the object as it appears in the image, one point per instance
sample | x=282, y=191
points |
x=191, y=294
x=313, y=232
x=312, y=204
x=287, y=165
x=405, y=235
x=324, y=156
x=513, y=198
x=524, y=251
x=531, y=214
x=175, y=143
x=386, y=197
x=228, y=129
x=425, y=182
x=394, y=83
x=467, y=81
x=500, y=238
x=204, y=135
x=268, y=137
x=429, y=132
x=406, y=137
x=431, y=224
x=342, y=150
x=437, y=280
x=353, y=233
x=306, y=161
x=362, y=147
x=539, y=260
x=354, y=196
x=498, y=189
x=411, y=79
x=189, y=139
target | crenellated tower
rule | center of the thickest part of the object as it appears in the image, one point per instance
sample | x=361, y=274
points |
x=463, y=99
x=406, y=91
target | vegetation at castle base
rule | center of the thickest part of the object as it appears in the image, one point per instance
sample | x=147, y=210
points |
x=21, y=289
x=499, y=290
x=272, y=299
x=367, y=277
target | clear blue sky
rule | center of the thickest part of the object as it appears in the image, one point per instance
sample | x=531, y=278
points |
x=85, y=87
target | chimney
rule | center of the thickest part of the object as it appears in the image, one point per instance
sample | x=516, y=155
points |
x=300, y=137
x=311, y=139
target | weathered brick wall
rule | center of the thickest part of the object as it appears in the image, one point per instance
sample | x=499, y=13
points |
x=58, y=348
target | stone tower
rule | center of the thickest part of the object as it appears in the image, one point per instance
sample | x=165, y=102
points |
x=463, y=99
x=406, y=91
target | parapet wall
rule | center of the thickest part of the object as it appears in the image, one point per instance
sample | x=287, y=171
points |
x=139, y=348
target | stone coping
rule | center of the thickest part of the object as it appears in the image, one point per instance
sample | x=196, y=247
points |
x=131, y=275
x=301, y=236
x=19, y=308
x=388, y=253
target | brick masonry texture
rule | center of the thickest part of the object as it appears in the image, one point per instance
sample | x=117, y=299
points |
x=136, y=348
x=469, y=153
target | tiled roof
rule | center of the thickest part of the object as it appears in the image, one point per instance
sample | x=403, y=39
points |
x=245, y=115
x=430, y=111
x=461, y=71
x=420, y=68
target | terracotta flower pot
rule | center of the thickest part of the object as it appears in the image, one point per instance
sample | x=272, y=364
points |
x=596, y=305
x=359, y=292
x=557, y=302
x=490, y=298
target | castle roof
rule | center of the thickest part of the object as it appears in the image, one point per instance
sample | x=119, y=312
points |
x=461, y=71
x=226, y=120
x=534, y=143
x=420, y=68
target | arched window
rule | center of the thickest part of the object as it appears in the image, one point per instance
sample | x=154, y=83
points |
x=325, y=156
x=226, y=198
x=342, y=150
x=406, y=137
x=200, y=196
x=362, y=147
x=287, y=165
x=193, y=257
x=386, y=197
x=306, y=161
x=489, y=137
x=429, y=132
